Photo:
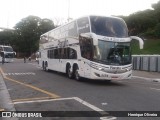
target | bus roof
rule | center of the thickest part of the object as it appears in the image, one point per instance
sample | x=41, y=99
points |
x=80, y=18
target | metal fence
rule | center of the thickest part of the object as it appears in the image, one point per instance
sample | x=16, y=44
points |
x=146, y=62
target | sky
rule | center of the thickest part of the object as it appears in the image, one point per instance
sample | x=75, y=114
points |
x=12, y=11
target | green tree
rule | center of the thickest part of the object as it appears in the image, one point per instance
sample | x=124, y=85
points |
x=28, y=31
x=6, y=37
x=141, y=21
x=46, y=25
x=156, y=8
x=27, y=34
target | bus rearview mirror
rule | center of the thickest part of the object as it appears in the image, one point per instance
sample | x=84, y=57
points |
x=141, y=43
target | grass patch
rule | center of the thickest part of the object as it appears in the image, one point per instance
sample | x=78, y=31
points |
x=151, y=46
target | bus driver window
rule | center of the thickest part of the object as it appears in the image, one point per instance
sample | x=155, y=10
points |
x=86, y=47
x=109, y=28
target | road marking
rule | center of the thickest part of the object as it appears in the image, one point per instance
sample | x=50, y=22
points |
x=31, y=99
x=104, y=104
x=30, y=86
x=36, y=65
x=102, y=112
x=155, y=89
x=87, y=104
x=47, y=100
x=150, y=79
x=139, y=82
x=27, y=73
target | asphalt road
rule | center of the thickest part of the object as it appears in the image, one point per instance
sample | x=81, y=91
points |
x=32, y=89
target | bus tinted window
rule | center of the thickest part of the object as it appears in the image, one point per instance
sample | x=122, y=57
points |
x=1, y=49
x=8, y=49
x=62, y=53
x=83, y=25
x=108, y=26
x=72, y=54
x=50, y=54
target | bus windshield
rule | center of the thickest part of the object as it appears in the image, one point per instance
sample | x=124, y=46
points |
x=112, y=53
x=106, y=26
x=8, y=49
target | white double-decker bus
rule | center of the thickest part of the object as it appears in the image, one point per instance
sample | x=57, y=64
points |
x=94, y=47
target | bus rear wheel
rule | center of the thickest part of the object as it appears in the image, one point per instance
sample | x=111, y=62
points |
x=69, y=72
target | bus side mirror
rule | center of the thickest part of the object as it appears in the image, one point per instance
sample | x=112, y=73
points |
x=141, y=43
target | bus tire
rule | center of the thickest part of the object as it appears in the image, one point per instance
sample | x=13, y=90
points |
x=45, y=66
x=76, y=73
x=69, y=72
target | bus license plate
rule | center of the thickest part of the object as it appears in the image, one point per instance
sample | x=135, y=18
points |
x=114, y=77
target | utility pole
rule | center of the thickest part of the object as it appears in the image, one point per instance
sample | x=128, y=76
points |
x=68, y=10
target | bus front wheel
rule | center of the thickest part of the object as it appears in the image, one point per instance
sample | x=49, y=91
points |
x=76, y=73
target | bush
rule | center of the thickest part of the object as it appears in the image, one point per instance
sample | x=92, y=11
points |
x=157, y=30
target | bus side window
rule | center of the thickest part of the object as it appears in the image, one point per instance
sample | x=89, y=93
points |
x=63, y=55
x=72, y=54
x=51, y=54
x=48, y=54
x=56, y=53
x=1, y=49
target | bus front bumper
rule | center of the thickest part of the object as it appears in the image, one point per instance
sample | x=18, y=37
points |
x=100, y=75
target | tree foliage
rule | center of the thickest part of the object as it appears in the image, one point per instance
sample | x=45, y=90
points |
x=144, y=23
x=25, y=37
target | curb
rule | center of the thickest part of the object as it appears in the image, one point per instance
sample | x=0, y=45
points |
x=149, y=79
x=6, y=102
